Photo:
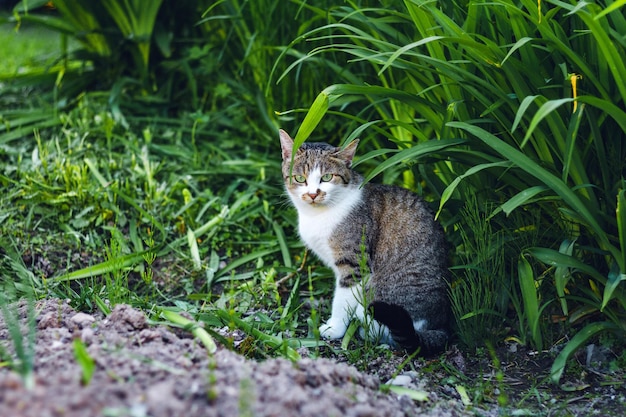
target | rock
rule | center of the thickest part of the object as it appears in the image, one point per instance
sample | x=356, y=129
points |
x=82, y=320
x=401, y=380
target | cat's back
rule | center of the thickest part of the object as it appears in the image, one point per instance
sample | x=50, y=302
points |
x=396, y=208
x=405, y=226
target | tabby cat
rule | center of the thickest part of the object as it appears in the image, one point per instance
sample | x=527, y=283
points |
x=393, y=229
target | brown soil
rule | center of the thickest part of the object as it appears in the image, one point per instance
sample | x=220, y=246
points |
x=151, y=370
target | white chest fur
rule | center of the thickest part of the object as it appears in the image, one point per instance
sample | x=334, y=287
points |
x=317, y=224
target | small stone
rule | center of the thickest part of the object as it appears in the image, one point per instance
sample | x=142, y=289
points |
x=50, y=320
x=87, y=335
x=82, y=320
x=400, y=380
x=161, y=396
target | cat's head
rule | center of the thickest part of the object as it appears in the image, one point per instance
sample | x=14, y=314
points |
x=321, y=174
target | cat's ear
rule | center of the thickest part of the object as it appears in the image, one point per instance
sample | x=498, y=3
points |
x=348, y=152
x=286, y=143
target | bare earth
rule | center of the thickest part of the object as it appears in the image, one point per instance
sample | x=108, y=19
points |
x=144, y=370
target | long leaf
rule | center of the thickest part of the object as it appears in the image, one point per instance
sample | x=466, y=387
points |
x=548, y=179
x=620, y=214
x=193, y=327
x=422, y=149
x=543, y=112
x=573, y=345
x=521, y=198
x=556, y=258
x=317, y=110
x=562, y=275
x=531, y=301
x=448, y=192
x=112, y=265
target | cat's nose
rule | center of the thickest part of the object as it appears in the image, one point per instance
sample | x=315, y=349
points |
x=313, y=195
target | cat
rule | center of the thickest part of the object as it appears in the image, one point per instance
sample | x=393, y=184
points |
x=343, y=221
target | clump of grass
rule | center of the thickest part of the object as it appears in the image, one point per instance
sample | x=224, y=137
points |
x=479, y=277
x=16, y=283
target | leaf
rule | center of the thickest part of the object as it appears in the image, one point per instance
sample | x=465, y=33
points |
x=515, y=47
x=562, y=274
x=611, y=8
x=519, y=199
x=413, y=394
x=543, y=112
x=615, y=278
x=112, y=265
x=620, y=214
x=465, y=399
x=349, y=335
x=530, y=298
x=282, y=242
x=85, y=361
x=556, y=258
x=573, y=345
x=222, y=274
x=191, y=326
x=406, y=48
x=315, y=114
x=415, y=152
x=447, y=193
x=193, y=248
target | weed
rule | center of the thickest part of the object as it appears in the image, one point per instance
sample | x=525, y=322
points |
x=16, y=284
x=84, y=360
x=479, y=277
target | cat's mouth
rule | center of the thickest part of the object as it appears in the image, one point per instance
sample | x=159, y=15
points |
x=314, y=199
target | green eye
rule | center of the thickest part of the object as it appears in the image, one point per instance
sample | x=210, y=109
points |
x=327, y=177
x=299, y=178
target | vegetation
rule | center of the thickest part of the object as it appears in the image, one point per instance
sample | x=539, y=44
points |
x=140, y=160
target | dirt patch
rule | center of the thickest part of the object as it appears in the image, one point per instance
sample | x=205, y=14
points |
x=151, y=370
x=144, y=370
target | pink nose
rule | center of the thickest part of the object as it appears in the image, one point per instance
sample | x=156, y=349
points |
x=313, y=195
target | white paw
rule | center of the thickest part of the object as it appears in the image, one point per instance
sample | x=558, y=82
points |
x=333, y=329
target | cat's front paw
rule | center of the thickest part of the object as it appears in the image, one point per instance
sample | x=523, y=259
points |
x=333, y=329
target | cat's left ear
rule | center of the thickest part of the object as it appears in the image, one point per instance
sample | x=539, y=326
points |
x=286, y=143
x=348, y=152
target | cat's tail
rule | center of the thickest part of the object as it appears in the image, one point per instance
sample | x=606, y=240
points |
x=400, y=324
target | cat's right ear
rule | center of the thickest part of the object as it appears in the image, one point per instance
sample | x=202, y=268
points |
x=286, y=143
x=348, y=152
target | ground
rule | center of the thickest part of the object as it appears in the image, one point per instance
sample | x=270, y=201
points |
x=147, y=369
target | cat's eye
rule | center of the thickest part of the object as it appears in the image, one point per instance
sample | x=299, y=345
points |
x=299, y=179
x=327, y=177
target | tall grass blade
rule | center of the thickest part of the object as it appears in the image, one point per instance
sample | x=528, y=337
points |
x=556, y=258
x=191, y=326
x=592, y=329
x=531, y=300
x=548, y=179
x=447, y=193
x=112, y=265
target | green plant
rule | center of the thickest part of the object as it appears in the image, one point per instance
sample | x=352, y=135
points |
x=16, y=283
x=84, y=360
x=478, y=285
